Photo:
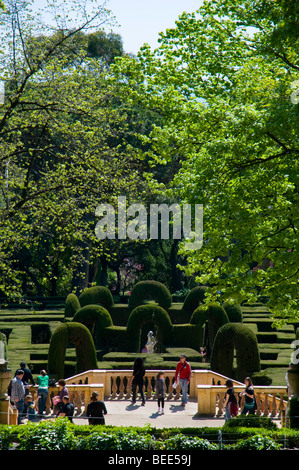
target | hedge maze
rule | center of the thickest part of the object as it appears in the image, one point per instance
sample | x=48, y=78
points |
x=93, y=331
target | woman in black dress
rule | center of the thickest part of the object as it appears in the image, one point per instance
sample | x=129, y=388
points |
x=249, y=405
x=137, y=379
x=96, y=410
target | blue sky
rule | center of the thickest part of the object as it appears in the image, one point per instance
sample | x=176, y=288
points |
x=141, y=21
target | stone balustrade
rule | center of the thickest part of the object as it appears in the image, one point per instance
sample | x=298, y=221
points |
x=207, y=387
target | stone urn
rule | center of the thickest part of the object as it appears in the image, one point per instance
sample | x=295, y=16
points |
x=293, y=379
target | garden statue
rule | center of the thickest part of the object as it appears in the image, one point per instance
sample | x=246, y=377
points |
x=150, y=345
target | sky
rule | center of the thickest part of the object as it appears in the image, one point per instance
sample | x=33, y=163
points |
x=141, y=21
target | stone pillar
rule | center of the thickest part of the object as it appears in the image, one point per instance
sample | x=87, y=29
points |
x=5, y=377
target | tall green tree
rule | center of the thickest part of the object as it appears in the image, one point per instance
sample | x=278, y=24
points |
x=225, y=81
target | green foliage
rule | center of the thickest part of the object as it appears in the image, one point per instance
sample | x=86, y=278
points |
x=47, y=435
x=193, y=299
x=145, y=290
x=145, y=314
x=5, y=438
x=80, y=336
x=96, y=318
x=258, y=443
x=230, y=337
x=181, y=442
x=233, y=312
x=72, y=305
x=214, y=314
x=129, y=440
x=250, y=421
x=187, y=334
x=96, y=295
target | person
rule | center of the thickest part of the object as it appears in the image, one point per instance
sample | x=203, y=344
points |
x=183, y=375
x=160, y=391
x=27, y=376
x=18, y=394
x=30, y=406
x=67, y=409
x=58, y=400
x=137, y=379
x=249, y=405
x=230, y=402
x=42, y=391
x=96, y=410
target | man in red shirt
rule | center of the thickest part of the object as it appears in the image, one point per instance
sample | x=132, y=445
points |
x=183, y=375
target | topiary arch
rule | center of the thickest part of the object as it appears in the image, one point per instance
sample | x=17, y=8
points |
x=80, y=336
x=72, y=305
x=155, y=290
x=96, y=318
x=216, y=317
x=194, y=299
x=96, y=295
x=148, y=314
x=235, y=337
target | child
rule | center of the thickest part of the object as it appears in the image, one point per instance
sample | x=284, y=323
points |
x=30, y=405
x=160, y=391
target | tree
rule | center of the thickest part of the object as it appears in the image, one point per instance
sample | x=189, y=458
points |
x=66, y=146
x=224, y=80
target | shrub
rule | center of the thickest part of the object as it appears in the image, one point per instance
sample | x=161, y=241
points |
x=187, y=334
x=257, y=442
x=183, y=442
x=214, y=314
x=5, y=438
x=72, y=305
x=230, y=337
x=251, y=421
x=145, y=314
x=96, y=295
x=194, y=299
x=294, y=412
x=233, y=312
x=80, y=336
x=127, y=440
x=96, y=318
x=145, y=290
x=47, y=435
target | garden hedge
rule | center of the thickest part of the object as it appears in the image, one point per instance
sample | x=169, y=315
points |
x=145, y=290
x=231, y=337
x=78, y=335
x=193, y=299
x=96, y=295
x=148, y=314
x=233, y=312
x=72, y=305
x=214, y=314
x=96, y=318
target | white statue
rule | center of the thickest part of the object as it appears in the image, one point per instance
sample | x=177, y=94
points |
x=150, y=345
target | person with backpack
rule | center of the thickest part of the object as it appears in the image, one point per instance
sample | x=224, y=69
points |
x=230, y=402
x=183, y=376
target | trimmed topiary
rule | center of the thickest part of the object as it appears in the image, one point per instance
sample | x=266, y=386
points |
x=214, y=314
x=230, y=337
x=145, y=290
x=194, y=299
x=192, y=335
x=80, y=336
x=72, y=305
x=148, y=314
x=96, y=295
x=233, y=312
x=96, y=318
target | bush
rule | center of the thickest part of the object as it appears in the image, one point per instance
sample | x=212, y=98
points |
x=47, y=435
x=145, y=290
x=194, y=299
x=230, y=337
x=96, y=318
x=145, y=314
x=251, y=421
x=233, y=312
x=80, y=336
x=96, y=295
x=72, y=305
x=182, y=442
x=294, y=412
x=192, y=335
x=117, y=441
x=257, y=442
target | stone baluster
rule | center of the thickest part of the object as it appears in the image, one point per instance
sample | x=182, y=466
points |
x=149, y=388
x=266, y=404
x=221, y=397
x=114, y=387
x=273, y=406
x=128, y=388
x=121, y=387
x=258, y=403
